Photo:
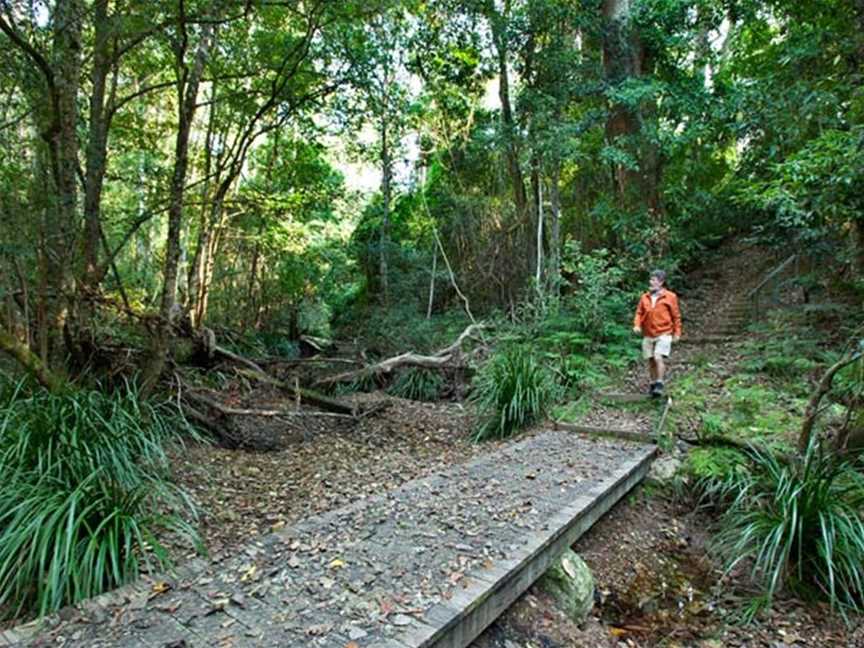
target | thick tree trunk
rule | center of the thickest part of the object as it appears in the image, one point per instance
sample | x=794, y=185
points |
x=30, y=361
x=63, y=143
x=623, y=58
x=187, y=95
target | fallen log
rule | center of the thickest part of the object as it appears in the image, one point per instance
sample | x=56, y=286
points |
x=450, y=356
x=234, y=411
x=308, y=396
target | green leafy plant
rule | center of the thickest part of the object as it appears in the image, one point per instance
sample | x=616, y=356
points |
x=511, y=391
x=799, y=521
x=712, y=425
x=417, y=384
x=713, y=465
x=84, y=493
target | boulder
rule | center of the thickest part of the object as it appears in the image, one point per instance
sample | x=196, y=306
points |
x=664, y=469
x=570, y=583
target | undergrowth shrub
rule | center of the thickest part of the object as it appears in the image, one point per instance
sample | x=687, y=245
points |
x=713, y=464
x=83, y=491
x=597, y=303
x=417, y=384
x=799, y=521
x=512, y=390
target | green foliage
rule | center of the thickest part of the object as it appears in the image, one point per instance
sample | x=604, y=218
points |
x=710, y=464
x=799, y=521
x=512, y=390
x=597, y=302
x=417, y=384
x=712, y=425
x=84, y=493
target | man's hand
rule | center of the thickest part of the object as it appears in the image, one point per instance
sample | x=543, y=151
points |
x=637, y=330
x=676, y=338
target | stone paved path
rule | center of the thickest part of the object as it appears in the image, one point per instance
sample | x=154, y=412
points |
x=395, y=570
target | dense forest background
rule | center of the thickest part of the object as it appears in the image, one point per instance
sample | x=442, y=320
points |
x=185, y=182
x=175, y=166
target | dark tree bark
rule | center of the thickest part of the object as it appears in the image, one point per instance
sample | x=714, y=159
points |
x=625, y=57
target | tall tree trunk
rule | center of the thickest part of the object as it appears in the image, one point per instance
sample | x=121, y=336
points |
x=209, y=263
x=64, y=145
x=196, y=268
x=187, y=95
x=514, y=169
x=384, y=233
x=251, y=300
x=858, y=243
x=622, y=59
x=96, y=147
x=555, y=229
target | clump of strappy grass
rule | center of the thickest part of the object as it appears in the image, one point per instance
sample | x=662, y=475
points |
x=511, y=391
x=798, y=522
x=417, y=384
x=84, y=491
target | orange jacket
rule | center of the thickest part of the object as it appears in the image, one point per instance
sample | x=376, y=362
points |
x=661, y=319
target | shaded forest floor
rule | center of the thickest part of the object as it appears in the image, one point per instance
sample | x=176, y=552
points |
x=657, y=585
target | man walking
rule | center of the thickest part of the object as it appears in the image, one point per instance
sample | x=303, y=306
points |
x=658, y=320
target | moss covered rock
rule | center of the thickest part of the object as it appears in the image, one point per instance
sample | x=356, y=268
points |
x=570, y=583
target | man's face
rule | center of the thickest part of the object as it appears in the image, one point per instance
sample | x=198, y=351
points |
x=654, y=283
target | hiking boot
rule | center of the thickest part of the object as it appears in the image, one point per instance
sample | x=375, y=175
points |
x=652, y=388
x=657, y=390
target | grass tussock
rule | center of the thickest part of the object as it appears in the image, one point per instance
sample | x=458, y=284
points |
x=512, y=390
x=83, y=491
x=798, y=522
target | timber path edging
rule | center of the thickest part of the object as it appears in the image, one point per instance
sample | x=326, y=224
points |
x=429, y=564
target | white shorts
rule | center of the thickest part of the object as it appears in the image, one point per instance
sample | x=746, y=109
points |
x=656, y=347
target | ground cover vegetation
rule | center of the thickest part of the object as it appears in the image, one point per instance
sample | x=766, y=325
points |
x=181, y=209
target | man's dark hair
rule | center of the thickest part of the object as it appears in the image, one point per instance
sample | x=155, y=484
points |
x=660, y=274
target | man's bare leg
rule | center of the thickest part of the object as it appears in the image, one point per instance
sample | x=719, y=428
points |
x=659, y=369
x=652, y=370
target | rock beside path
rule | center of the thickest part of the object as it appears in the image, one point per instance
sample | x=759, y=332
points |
x=570, y=582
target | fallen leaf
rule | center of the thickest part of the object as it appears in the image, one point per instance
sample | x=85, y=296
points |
x=249, y=574
x=159, y=587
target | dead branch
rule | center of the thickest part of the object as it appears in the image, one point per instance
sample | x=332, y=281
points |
x=450, y=356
